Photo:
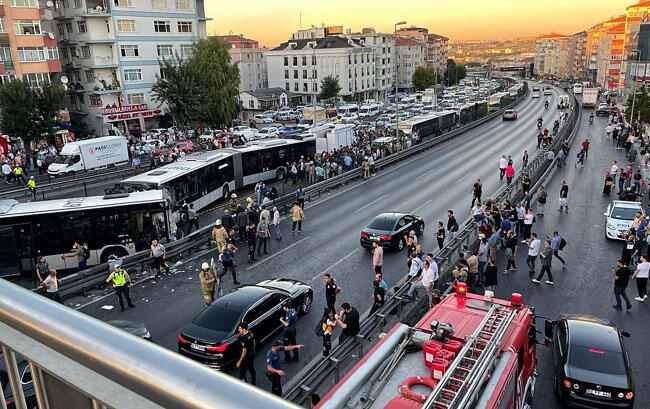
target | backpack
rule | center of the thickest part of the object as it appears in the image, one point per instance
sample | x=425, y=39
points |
x=318, y=331
x=562, y=243
x=86, y=251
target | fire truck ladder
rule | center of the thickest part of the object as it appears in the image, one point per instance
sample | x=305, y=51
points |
x=461, y=383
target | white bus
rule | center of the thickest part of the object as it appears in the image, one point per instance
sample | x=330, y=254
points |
x=347, y=109
x=117, y=224
x=204, y=177
x=577, y=88
x=368, y=110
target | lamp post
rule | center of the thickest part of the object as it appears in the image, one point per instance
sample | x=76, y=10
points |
x=396, y=75
x=636, y=68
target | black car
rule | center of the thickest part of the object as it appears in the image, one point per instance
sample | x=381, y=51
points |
x=388, y=230
x=606, y=110
x=591, y=364
x=25, y=374
x=212, y=337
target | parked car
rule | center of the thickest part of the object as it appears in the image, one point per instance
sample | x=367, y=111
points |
x=268, y=132
x=212, y=336
x=592, y=368
x=509, y=115
x=349, y=117
x=388, y=230
x=619, y=217
x=606, y=110
x=185, y=146
x=261, y=119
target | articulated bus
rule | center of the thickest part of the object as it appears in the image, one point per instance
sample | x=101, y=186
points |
x=204, y=177
x=497, y=101
x=428, y=125
x=118, y=224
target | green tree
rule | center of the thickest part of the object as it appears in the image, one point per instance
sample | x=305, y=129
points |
x=48, y=102
x=423, y=77
x=641, y=103
x=178, y=89
x=329, y=88
x=454, y=73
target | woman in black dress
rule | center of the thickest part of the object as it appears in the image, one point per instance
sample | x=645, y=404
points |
x=440, y=235
x=490, y=275
x=607, y=188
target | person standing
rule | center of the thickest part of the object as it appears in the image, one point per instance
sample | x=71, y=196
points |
x=477, y=191
x=7, y=172
x=511, y=251
x=297, y=216
x=482, y=253
x=541, y=200
x=510, y=174
x=378, y=295
x=377, y=257
x=533, y=251
x=18, y=173
x=119, y=276
x=452, y=224
x=227, y=258
x=290, y=323
x=208, y=280
x=503, y=163
x=348, y=320
x=42, y=269
x=331, y=290
x=607, y=187
x=300, y=197
x=556, y=240
x=427, y=281
x=641, y=275
x=328, y=322
x=242, y=222
x=80, y=253
x=193, y=218
x=246, y=362
x=135, y=163
x=159, y=255
x=547, y=257
x=262, y=235
x=529, y=219
x=51, y=285
x=273, y=366
x=491, y=275
x=251, y=239
x=31, y=186
x=219, y=235
x=621, y=276
x=276, y=223
x=440, y=235
x=524, y=160
x=564, y=196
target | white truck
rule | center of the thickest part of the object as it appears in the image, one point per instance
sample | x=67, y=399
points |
x=89, y=154
x=589, y=97
x=312, y=117
x=336, y=137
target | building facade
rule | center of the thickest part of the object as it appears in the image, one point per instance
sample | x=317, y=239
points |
x=110, y=51
x=551, y=55
x=610, y=57
x=411, y=54
x=383, y=45
x=250, y=60
x=576, y=56
x=435, y=46
x=594, y=53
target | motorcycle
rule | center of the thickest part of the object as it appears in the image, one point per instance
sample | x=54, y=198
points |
x=591, y=118
x=539, y=123
x=546, y=105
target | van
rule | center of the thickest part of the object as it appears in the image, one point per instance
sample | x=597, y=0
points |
x=347, y=109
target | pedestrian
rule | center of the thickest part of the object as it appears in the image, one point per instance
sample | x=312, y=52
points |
x=482, y=253
x=542, y=195
x=607, y=187
x=274, y=367
x=547, y=257
x=7, y=172
x=297, y=216
x=503, y=163
x=524, y=160
x=378, y=295
x=159, y=254
x=348, y=320
x=219, y=235
x=276, y=223
x=581, y=159
x=452, y=224
x=429, y=277
x=42, y=268
x=31, y=186
x=262, y=235
x=529, y=219
x=51, y=285
x=300, y=196
x=290, y=322
x=477, y=191
x=621, y=275
x=18, y=173
x=585, y=147
x=377, y=257
x=227, y=258
x=135, y=163
x=80, y=254
x=331, y=290
x=641, y=275
x=511, y=251
x=472, y=265
x=242, y=222
x=510, y=174
x=564, y=194
x=251, y=239
x=491, y=275
x=534, y=245
x=208, y=280
x=246, y=362
x=556, y=243
x=440, y=235
x=119, y=276
x=193, y=218
x=328, y=322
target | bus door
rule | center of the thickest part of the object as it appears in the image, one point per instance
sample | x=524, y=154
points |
x=9, y=257
x=25, y=254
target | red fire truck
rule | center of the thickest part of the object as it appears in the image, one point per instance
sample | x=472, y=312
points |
x=469, y=351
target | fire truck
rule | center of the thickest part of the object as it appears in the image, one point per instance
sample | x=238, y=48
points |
x=468, y=351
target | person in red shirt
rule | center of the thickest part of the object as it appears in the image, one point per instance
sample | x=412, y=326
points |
x=585, y=147
x=510, y=174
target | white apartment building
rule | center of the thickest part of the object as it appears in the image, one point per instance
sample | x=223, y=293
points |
x=249, y=59
x=411, y=54
x=551, y=55
x=384, y=48
x=110, y=52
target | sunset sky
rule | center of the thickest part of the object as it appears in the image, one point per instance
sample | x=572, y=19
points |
x=272, y=22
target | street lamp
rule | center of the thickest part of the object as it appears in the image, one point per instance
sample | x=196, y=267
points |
x=395, y=69
x=636, y=68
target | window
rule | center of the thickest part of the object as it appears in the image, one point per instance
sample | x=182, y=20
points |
x=27, y=27
x=77, y=4
x=186, y=50
x=30, y=54
x=37, y=79
x=85, y=52
x=60, y=30
x=5, y=53
x=68, y=27
x=129, y=51
x=124, y=3
x=90, y=76
x=164, y=50
x=315, y=87
x=64, y=53
x=24, y=3
x=163, y=73
x=82, y=27
x=184, y=26
x=286, y=61
x=135, y=99
x=286, y=86
x=161, y=26
x=158, y=4
x=313, y=60
x=73, y=52
x=52, y=53
x=304, y=87
x=134, y=74
x=126, y=26
x=295, y=74
x=304, y=74
x=182, y=4
x=295, y=60
x=304, y=60
x=286, y=74
x=295, y=87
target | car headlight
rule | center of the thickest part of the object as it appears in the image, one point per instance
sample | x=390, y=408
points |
x=611, y=226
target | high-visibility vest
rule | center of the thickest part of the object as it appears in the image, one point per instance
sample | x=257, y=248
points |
x=118, y=277
x=18, y=170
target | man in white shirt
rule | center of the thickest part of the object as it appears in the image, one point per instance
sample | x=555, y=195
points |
x=427, y=281
x=503, y=164
x=614, y=169
x=51, y=285
x=533, y=252
x=641, y=275
x=276, y=223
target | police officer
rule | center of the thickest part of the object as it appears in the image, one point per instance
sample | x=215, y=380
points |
x=31, y=185
x=119, y=276
x=331, y=289
x=246, y=361
x=208, y=279
x=290, y=322
x=273, y=366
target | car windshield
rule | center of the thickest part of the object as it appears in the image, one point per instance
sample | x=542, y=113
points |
x=597, y=360
x=624, y=213
x=218, y=318
x=382, y=223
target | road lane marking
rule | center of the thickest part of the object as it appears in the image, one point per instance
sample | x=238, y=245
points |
x=421, y=206
x=369, y=204
x=264, y=260
x=334, y=265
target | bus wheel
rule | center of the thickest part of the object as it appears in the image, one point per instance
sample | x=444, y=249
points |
x=225, y=192
x=279, y=174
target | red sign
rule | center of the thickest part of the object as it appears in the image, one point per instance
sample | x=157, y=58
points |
x=125, y=108
x=132, y=115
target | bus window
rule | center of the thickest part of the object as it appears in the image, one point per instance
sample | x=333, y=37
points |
x=8, y=252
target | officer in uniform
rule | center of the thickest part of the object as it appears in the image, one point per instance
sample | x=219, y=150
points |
x=31, y=185
x=273, y=366
x=119, y=276
x=208, y=280
x=246, y=361
x=290, y=322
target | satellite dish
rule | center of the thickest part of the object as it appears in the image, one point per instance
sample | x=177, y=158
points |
x=51, y=35
x=49, y=4
x=64, y=79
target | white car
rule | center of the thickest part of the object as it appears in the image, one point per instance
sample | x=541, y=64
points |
x=261, y=119
x=268, y=132
x=620, y=216
x=349, y=117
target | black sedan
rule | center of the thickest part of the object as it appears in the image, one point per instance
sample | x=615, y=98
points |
x=212, y=337
x=388, y=230
x=591, y=364
x=606, y=110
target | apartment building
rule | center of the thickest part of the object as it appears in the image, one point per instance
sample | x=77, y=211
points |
x=594, y=38
x=576, y=56
x=383, y=45
x=251, y=62
x=610, y=57
x=411, y=54
x=28, y=48
x=110, y=51
x=435, y=45
x=551, y=54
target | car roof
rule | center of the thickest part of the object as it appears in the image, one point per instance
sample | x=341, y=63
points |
x=391, y=215
x=593, y=333
x=628, y=204
x=242, y=297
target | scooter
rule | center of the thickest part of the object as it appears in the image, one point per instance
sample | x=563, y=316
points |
x=591, y=118
x=546, y=105
x=539, y=124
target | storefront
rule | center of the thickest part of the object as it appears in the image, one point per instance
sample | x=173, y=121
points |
x=134, y=119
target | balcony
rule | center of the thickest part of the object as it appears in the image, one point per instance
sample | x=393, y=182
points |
x=97, y=8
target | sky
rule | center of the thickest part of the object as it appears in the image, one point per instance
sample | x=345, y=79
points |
x=272, y=22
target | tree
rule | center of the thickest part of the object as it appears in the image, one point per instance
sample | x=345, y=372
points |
x=641, y=104
x=454, y=72
x=329, y=88
x=48, y=101
x=423, y=78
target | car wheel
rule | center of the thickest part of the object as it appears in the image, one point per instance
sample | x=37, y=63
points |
x=305, y=305
x=400, y=244
x=279, y=174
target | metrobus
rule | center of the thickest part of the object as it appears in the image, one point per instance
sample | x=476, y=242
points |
x=471, y=112
x=536, y=90
x=114, y=224
x=577, y=88
x=432, y=124
x=202, y=178
x=497, y=101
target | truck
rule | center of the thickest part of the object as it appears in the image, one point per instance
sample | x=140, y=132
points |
x=88, y=154
x=467, y=352
x=589, y=97
x=312, y=117
x=336, y=137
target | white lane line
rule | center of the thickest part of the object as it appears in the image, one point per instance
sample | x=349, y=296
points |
x=321, y=274
x=369, y=204
x=264, y=260
x=421, y=206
